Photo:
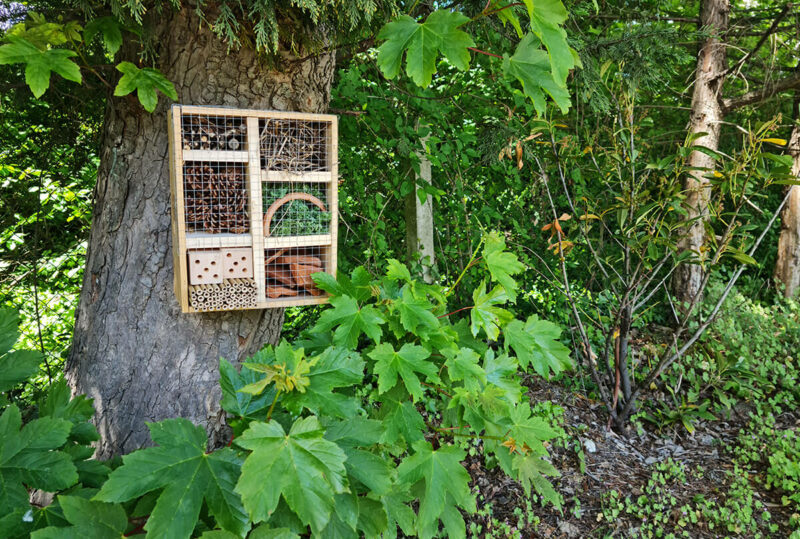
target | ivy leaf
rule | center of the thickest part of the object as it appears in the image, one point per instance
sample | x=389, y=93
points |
x=110, y=29
x=531, y=67
x=422, y=43
x=39, y=63
x=98, y=520
x=536, y=343
x=303, y=467
x=502, y=264
x=236, y=402
x=485, y=314
x=187, y=474
x=334, y=368
x=145, y=81
x=406, y=362
x=351, y=321
x=443, y=484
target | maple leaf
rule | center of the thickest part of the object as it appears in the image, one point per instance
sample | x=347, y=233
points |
x=238, y=403
x=187, y=474
x=28, y=458
x=302, y=467
x=502, y=264
x=288, y=369
x=443, y=485
x=536, y=343
x=546, y=18
x=531, y=470
x=463, y=365
x=415, y=312
x=39, y=63
x=98, y=520
x=406, y=362
x=501, y=371
x=422, y=43
x=401, y=418
x=531, y=66
x=485, y=314
x=350, y=322
x=334, y=368
x=145, y=81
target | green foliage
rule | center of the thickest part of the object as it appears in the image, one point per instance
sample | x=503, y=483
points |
x=15, y=366
x=422, y=43
x=39, y=63
x=145, y=81
x=297, y=217
x=352, y=431
x=541, y=62
x=186, y=475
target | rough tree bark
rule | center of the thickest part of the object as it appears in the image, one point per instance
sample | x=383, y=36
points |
x=133, y=351
x=705, y=117
x=787, y=268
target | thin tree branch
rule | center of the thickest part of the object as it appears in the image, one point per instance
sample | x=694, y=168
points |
x=766, y=92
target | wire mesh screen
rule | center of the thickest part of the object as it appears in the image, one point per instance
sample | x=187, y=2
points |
x=288, y=271
x=202, y=132
x=215, y=198
x=294, y=145
x=296, y=209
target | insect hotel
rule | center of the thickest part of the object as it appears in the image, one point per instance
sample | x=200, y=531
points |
x=254, y=206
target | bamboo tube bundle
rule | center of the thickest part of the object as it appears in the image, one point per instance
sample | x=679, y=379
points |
x=230, y=295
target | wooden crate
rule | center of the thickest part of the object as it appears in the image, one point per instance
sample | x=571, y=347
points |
x=260, y=185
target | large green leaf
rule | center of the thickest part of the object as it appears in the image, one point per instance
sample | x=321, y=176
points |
x=17, y=367
x=486, y=314
x=443, y=484
x=401, y=418
x=39, y=63
x=531, y=66
x=98, y=520
x=145, y=81
x=9, y=332
x=240, y=403
x=406, y=362
x=334, y=368
x=462, y=365
x=109, y=28
x=28, y=458
x=546, y=17
x=415, y=312
x=187, y=474
x=536, y=343
x=422, y=43
x=502, y=264
x=531, y=470
x=302, y=467
x=350, y=322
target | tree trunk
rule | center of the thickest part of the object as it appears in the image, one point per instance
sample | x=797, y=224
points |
x=705, y=117
x=134, y=352
x=787, y=268
x=419, y=218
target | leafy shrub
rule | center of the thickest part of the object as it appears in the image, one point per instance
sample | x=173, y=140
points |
x=354, y=430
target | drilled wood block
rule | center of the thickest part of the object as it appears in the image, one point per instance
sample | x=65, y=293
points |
x=237, y=263
x=205, y=267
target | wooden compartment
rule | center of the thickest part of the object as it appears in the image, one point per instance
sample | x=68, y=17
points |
x=245, y=185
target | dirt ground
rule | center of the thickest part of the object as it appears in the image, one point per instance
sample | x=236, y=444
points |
x=613, y=462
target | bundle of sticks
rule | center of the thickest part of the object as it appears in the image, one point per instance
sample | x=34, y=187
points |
x=231, y=294
x=212, y=133
x=215, y=199
x=289, y=275
x=294, y=145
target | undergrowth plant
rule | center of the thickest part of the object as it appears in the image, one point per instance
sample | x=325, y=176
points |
x=357, y=429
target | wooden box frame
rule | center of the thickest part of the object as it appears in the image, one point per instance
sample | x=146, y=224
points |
x=182, y=242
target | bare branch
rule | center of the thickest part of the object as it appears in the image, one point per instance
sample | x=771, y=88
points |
x=766, y=92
